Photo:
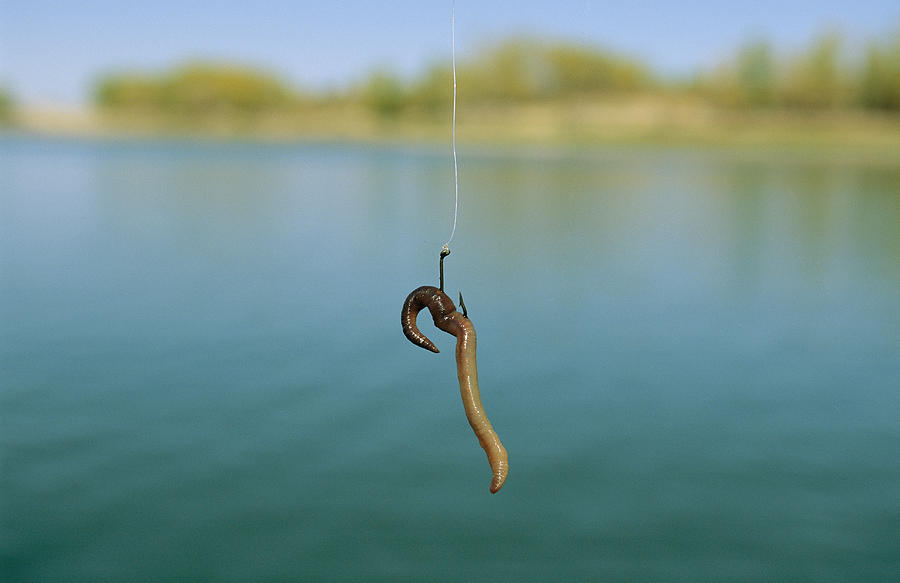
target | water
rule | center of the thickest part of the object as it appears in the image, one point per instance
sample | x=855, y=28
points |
x=692, y=356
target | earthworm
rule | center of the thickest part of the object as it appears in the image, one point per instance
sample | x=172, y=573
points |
x=449, y=320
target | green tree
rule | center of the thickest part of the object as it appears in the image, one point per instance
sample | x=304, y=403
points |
x=525, y=69
x=575, y=69
x=814, y=80
x=507, y=72
x=879, y=83
x=129, y=92
x=383, y=93
x=756, y=74
x=194, y=89
x=432, y=92
x=204, y=88
x=6, y=107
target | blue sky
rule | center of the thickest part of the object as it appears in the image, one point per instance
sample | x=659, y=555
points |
x=51, y=51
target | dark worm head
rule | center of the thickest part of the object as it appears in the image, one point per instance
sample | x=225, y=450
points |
x=438, y=303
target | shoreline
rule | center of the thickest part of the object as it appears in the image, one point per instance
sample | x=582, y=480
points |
x=635, y=122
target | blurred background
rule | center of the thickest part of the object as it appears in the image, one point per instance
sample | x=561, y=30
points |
x=679, y=241
x=578, y=72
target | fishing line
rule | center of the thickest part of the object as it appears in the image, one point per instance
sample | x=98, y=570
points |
x=446, y=247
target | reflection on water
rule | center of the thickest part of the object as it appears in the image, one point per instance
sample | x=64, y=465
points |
x=692, y=357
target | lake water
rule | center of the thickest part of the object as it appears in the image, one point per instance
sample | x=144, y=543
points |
x=692, y=356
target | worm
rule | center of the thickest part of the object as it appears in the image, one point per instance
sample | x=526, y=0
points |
x=451, y=321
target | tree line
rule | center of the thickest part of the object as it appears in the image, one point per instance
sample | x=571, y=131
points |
x=821, y=77
x=826, y=75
